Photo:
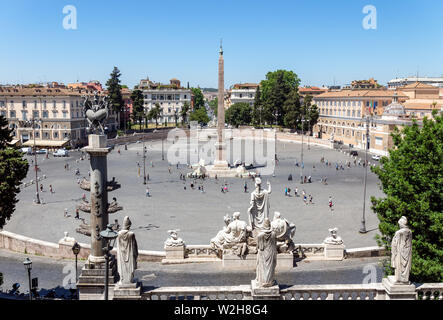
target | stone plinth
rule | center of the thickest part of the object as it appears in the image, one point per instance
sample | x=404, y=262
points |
x=285, y=261
x=174, y=254
x=334, y=252
x=398, y=291
x=91, y=282
x=264, y=293
x=131, y=291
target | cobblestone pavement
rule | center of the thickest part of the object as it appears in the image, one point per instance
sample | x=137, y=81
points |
x=199, y=215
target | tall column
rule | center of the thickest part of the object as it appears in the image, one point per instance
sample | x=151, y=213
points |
x=220, y=146
x=99, y=195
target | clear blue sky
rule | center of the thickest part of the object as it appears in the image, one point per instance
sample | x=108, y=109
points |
x=320, y=40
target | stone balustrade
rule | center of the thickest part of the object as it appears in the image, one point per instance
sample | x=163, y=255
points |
x=194, y=251
x=372, y=291
x=429, y=291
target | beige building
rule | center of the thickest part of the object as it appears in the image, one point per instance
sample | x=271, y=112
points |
x=242, y=92
x=342, y=114
x=58, y=113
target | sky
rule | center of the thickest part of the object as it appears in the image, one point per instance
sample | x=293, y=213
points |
x=324, y=42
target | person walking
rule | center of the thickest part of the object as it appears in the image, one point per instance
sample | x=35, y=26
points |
x=330, y=203
x=50, y=189
x=310, y=199
x=41, y=187
x=296, y=191
x=147, y=193
x=286, y=191
x=77, y=216
x=65, y=213
x=245, y=187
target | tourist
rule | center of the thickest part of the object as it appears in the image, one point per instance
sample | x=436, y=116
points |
x=305, y=198
x=147, y=192
x=201, y=189
x=289, y=192
x=309, y=179
x=41, y=187
x=65, y=213
x=330, y=203
x=50, y=189
x=310, y=199
x=296, y=191
x=84, y=197
x=290, y=177
x=245, y=187
x=77, y=216
x=286, y=191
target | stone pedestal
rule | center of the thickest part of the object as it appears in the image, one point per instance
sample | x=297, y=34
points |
x=91, y=282
x=285, y=261
x=131, y=291
x=398, y=291
x=267, y=293
x=334, y=252
x=174, y=254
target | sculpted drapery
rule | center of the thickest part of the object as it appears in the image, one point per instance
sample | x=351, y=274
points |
x=401, y=252
x=260, y=207
x=127, y=253
x=266, y=256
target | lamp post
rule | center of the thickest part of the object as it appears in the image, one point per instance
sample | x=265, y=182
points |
x=363, y=221
x=28, y=266
x=76, y=251
x=109, y=235
x=302, y=134
x=32, y=122
x=163, y=156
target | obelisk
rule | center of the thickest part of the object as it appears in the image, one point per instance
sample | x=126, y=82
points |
x=220, y=146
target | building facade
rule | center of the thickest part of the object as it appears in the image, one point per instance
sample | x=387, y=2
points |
x=242, y=92
x=401, y=82
x=58, y=114
x=170, y=98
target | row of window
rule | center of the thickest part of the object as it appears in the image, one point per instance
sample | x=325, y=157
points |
x=36, y=114
x=170, y=97
x=47, y=135
x=44, y=103
x=335, y=112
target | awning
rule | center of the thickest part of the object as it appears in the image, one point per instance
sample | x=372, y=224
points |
x=46, y=143
x=14, y=142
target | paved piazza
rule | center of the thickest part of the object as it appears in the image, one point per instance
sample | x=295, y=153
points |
x=199, y=216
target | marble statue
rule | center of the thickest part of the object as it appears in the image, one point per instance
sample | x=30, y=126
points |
x=333, y=238
x=127, y=253
x=96, y=111
x=234, y=235
x=266, y=256
x=174, y=240
x=401, y=252
x=259, y=209
x=284, y=232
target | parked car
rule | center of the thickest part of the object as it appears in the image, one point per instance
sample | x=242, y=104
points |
x=27, y=150
x=376, y=157
x=354, y=153
x=42, y=151
x=61, y=153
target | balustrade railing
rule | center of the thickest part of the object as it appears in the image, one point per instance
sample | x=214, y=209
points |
x=197, y=293
x=429, y=291
x=334, y=292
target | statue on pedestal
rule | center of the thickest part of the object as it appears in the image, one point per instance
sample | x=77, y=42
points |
x=174, y=240
x=259, y=209
x=96, y=111
x=127, y=253
x=267, y=256
x=333, y=238
x=401, y=252
x=284, y=232
x=233, y=236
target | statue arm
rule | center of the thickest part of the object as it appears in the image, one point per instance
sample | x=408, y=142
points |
x=269, y=188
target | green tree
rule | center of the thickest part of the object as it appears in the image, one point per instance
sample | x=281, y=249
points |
x=412, y=180
x=239, y=114
x=199, y=99
x=138, y=110
x=214, y=106
x=292, y=110
x=154, y=113
x=114, y=93
x=184, y=112
x=257, y=111
x=13, y=169
x=274, y=92
x=310, y=113
x=199, y=115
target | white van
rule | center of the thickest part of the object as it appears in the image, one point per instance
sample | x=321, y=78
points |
x=61, y=153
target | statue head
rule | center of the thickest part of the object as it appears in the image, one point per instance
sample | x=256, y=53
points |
x=333, y=232
x=257, y=182
x=403, y=222
x=173, y=233
x=277, y=215
x=236, y=215
x=266, y=224
x=126, y=223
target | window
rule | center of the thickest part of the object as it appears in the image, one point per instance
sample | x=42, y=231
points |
x=55, y=134
x=35, y=114
x=185, y=97
x=37, y=134
x=378, y=141
x=358, y=113
x=64, y=114
x=44, y=104
x=54, y=104
x=12, y=104
x=3, y=113
x=35, y=104
x=177, y=97
x=24, y=115
x=45, y=114
x=64, y=104
x=24, y=104
x=2, y=103
x=12, y=114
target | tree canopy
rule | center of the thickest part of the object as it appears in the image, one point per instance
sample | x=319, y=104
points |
x=199, y=99
x=412, y=180
x=199, y=115
x=239, y=114
x=13, y=169
x=138, y=111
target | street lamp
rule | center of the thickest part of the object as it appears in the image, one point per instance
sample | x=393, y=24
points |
x=28, y=266
x=76, y=250
x=144, y=161
x=302, y=163
x=109, y=235
x=363, y=221
x=32, y=122
x=163, y=157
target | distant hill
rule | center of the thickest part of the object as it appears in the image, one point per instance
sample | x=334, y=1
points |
x=209, y=89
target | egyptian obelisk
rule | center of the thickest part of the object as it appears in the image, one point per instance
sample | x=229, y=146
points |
x=220, y=162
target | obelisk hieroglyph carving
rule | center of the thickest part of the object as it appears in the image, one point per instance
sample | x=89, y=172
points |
x=220, y=146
